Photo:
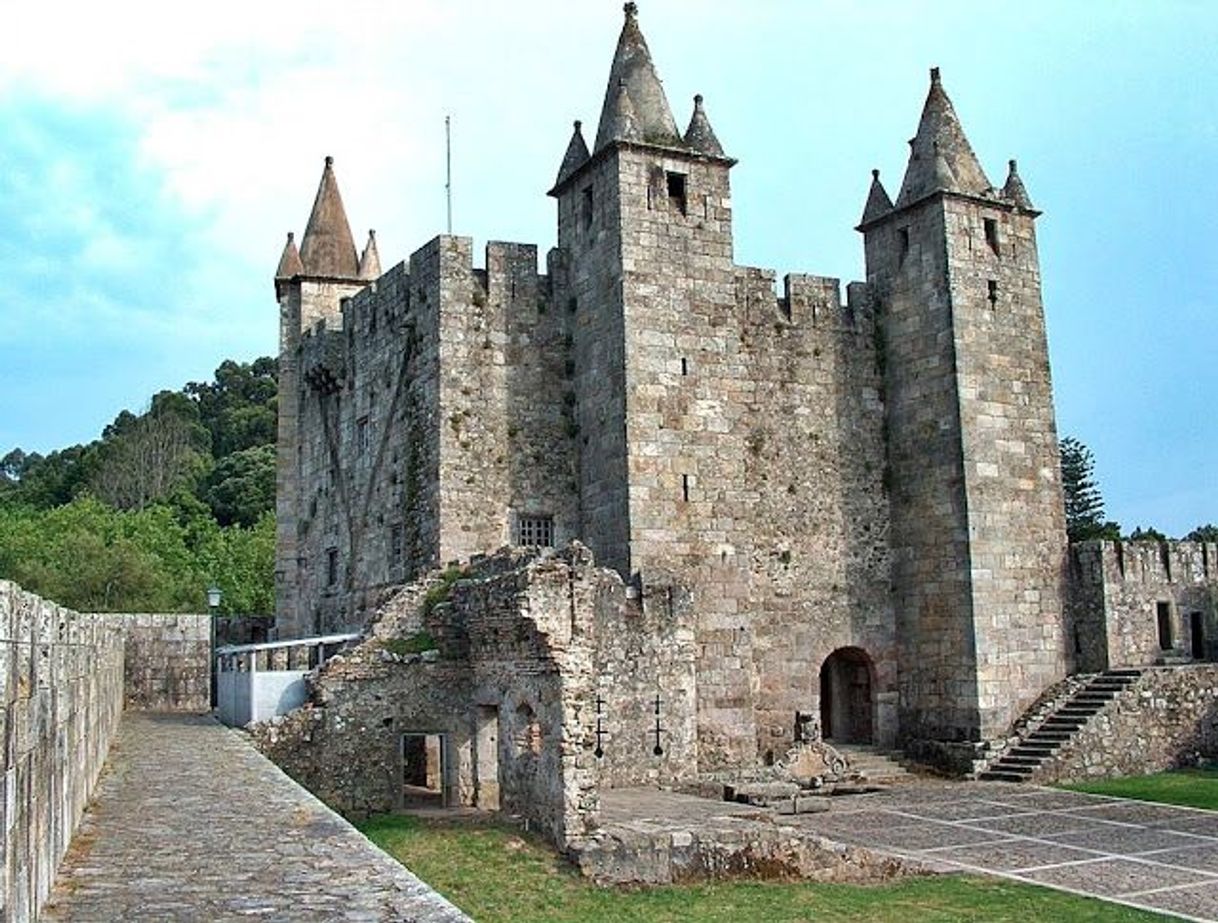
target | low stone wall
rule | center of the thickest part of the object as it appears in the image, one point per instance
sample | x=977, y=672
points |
x=1167, y=719
x=167, y=662
x=61, y=688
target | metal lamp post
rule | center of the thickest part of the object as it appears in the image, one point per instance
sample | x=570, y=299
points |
x=213, y=603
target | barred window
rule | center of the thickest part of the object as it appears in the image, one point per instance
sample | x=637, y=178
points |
x=535, y=531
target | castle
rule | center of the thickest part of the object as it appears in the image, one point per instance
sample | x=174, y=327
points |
x=825, y=517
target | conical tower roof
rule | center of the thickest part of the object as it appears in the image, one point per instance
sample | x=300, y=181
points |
x=634, y=75
x=940, y=156
x=370, y=261
x=878, y=204
x=576, y=156
x=699, y=136
x=1014, y=190
x=289, y=263
x=327, y=248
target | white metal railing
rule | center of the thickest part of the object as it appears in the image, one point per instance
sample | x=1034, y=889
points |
x=255, y=682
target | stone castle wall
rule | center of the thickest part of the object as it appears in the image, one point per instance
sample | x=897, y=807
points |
x=1119, y=589
x=167, y=661
x=1168, y=719
x=61, y=688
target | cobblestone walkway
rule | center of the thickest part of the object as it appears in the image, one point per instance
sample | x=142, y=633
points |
x=191, y=823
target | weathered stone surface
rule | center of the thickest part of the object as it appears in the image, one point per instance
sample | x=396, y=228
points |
x=61, y=693
x=191, y=823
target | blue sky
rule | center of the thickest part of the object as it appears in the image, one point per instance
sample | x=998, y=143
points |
x=153, y=155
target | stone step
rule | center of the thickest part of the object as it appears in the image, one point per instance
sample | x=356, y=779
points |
x=998, y=775
x=1130, y=673
x=1011, y=760
x=1048, y=738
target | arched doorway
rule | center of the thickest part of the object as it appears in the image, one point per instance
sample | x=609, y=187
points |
x=845, y=696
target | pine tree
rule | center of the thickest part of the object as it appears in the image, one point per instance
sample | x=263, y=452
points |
x=1084, y=504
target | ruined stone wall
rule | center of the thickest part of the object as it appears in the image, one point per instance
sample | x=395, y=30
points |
x=167, y=661
x=1117, y=590
x=1165, y=720
x=61, y=692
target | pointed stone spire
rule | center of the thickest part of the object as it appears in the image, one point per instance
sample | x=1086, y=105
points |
x=878, y=204
x=634, y=76
x=940, y=156
x=576, y=156
x=700, y=136
x=370, y=261
x=289, y=263
x=1014, y=190
x=328, y=248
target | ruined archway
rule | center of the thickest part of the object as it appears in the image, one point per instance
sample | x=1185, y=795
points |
x=846, y=697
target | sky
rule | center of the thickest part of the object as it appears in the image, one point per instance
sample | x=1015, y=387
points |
x=153, y=155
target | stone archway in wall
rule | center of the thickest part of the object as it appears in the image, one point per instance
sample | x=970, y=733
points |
x=847, y=697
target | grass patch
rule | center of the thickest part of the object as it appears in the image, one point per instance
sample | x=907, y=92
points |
x=1193, y=788
x=495, y=874
x=415, y=644
x=441, y=591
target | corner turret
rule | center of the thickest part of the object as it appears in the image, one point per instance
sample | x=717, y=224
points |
x=1014, y=189
x=878, y=204
x=370, y=260
x=577, y=154
x=699, y=136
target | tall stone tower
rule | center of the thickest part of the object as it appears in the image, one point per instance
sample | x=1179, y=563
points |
x=645, y=245
x=978, y=533
x=310, y=284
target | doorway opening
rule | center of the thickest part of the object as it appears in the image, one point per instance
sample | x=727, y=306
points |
x=423, y=770
x=486, y=758
x=846, y=703
x=1196, y=624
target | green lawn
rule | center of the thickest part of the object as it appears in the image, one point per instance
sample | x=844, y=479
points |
x=494, y=874
x=1194, y=788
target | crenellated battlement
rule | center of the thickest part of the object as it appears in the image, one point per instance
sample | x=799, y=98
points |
x=1142, y=562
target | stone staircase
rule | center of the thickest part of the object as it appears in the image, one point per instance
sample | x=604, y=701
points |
x=873, y=765
x=1020, y=760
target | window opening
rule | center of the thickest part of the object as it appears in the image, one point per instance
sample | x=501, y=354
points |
x=535, y=531
x=684, y=366
x=586, y=208
x=676, y=191
x=361, y=434
x=395, y=544
x=331, y=566
x=527, y=739
x=1197, y=630
x=685, y=487
x=991, y=234
x=903, y=245
x=992, y=292
x=1163, y=612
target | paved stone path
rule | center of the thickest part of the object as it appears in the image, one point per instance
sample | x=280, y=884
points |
x=1156, y=857
x=191, y=823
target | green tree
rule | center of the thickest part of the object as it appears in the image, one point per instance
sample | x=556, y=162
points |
x=1148, y=534
x=241, y=488
x=1206, y=533
x=1084, y=504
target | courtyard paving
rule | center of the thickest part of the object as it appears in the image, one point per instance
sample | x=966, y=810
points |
x=190, y=823
x=1156, y=857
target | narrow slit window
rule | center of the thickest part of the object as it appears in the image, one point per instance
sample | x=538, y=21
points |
x=991, y=234
x=1163, y=614
x=902, y=245
x=361, y=434
x=992, y=292
x=586, y=208
x=331, y=566
x=684, y=366
x=685, y=487
x=676, y=191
